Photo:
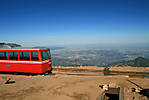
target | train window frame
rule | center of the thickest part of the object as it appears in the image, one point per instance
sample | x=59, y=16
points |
x=33, y=58
x=14, y=55
x=5, y=56
x=24, y=56
x=43, y=53
x=49, y=54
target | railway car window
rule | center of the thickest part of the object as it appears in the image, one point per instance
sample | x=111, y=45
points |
x=44, y=55
x=49, y=54
x=34, y=56
x=24, y=55
x=3, y=55
x=13, y=55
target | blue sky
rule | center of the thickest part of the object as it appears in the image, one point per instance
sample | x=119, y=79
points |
x=68, y=22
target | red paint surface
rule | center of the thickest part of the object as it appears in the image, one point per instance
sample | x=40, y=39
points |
x=27, y=66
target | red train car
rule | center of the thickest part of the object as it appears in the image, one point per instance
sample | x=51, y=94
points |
x=25, y=60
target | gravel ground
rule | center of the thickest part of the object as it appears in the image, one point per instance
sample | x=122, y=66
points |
x=65, y=87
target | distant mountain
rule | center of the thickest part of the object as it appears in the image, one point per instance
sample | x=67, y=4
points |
x=9, y=45
x=138, y=62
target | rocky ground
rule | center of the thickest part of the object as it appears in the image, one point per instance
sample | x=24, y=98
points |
x=66, y=85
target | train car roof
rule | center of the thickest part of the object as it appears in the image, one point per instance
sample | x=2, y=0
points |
x=24, y=48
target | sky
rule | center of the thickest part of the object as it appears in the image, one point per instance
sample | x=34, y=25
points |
x=72, y=22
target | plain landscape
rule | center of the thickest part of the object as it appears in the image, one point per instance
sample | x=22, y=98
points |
x=100, y=56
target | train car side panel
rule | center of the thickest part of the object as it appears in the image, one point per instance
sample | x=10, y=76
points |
x=21, y=67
